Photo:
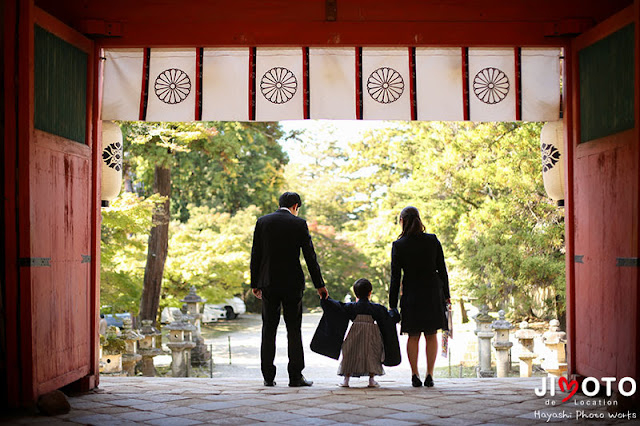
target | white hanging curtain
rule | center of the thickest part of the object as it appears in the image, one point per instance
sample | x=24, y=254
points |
x=386, y=84
x=225, y=84
x=439, y=84
x=492, y=89
x=332, y=83
x=540, y=84
x=123, y=84
x=279, y=84
x=172, y=85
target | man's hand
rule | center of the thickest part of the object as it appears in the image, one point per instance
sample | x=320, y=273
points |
x=323, y=293
x=257, y=292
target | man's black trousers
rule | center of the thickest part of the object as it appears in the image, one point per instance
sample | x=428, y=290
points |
x=275, y=300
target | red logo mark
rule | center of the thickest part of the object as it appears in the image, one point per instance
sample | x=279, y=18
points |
x=568, y=386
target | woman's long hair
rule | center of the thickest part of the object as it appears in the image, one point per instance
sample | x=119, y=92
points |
x=411, y=223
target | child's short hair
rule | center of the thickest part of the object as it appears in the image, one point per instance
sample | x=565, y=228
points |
x=362, y=288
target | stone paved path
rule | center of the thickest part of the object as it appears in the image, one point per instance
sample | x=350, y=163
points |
x=190, y=401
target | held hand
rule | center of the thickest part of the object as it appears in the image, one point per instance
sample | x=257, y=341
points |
x=257, y=292
x=323, y=293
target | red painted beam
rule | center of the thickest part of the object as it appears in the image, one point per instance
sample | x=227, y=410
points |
x=315, y=34
x=381, y=11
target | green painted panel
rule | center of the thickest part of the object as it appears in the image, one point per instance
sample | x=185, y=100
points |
x=607, y=85
x=60, y=86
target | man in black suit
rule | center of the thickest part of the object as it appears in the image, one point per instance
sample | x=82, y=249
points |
x=277, y=279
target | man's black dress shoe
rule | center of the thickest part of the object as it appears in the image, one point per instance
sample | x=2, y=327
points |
x=270, y=383
x=415, y=381
x=300, y=382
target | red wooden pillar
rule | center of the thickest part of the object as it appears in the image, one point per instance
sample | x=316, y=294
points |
x=568, y=105
x=11, y=380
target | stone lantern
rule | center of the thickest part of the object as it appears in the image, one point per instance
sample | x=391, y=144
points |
x=180, y=344
x=199, y=355
x=555, y=363
x=193, y=301
x=131, y=356
x=502, y=343
x=525, y=336
x=147, y=347
x=485, y=334
x=112, y=349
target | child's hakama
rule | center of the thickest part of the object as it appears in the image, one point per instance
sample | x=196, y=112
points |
x=362, y=350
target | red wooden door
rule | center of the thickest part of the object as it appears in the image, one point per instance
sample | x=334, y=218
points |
x=57, y=205
x=604, y=138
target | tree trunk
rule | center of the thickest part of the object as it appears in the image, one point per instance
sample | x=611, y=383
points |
x=465, y=318
x=158, y=247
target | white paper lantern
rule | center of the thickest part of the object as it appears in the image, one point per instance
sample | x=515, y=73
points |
x=552, y=148
x=111, y=161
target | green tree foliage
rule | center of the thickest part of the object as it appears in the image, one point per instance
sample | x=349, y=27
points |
x=211, y=251
x=479, y=188
x=340, y=261
x=224, y=165
x=125, y=229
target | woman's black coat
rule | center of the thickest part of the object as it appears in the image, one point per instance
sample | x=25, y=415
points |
x=333, y=325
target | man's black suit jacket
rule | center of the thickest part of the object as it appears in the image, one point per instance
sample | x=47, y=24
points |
x=275, y=255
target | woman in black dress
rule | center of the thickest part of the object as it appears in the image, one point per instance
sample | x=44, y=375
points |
x=417, y=262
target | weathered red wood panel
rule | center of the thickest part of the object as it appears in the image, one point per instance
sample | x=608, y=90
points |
x=606, y=294
x=60, y=217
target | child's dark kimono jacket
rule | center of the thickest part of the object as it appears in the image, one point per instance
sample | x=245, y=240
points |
x=329, y=335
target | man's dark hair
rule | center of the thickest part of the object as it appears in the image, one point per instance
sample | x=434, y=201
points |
x=288, y=199
x=362, y=288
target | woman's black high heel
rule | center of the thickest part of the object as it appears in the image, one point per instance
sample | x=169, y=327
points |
x=415, y=381
x=428, y=382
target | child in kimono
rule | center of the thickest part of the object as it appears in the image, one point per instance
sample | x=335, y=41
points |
x=371, y=342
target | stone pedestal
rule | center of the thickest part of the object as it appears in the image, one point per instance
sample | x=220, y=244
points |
x=111, y=352
x=502, y=343
x=112, y=363
x=485, y=334
x=525, y=337
x=200, y=355
x=131, y=357
x=180, y=344
x=147, y=347
x=555, y=363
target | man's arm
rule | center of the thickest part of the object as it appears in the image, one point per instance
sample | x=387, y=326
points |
x=312, y=262
x=256, y=255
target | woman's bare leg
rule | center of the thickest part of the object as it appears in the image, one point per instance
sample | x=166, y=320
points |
x=431, y=346
x=412, y=353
